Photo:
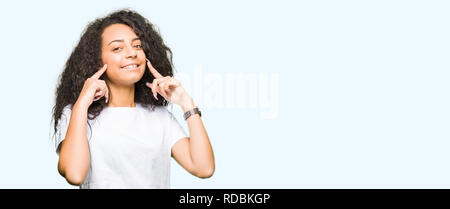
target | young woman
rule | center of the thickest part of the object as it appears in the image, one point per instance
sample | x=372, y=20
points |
x=111, y=123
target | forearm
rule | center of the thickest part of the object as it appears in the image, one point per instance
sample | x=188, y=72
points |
x=74, y=156
x=200, y=147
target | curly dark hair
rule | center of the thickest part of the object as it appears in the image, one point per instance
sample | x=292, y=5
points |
x=86, y=59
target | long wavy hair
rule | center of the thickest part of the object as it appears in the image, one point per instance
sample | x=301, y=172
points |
x=86, y=59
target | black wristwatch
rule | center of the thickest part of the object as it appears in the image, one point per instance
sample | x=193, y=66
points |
x=192, y=112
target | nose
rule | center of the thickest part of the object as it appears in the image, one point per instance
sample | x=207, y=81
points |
x=130, y=52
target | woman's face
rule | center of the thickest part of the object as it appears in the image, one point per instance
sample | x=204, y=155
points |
x=123, y=53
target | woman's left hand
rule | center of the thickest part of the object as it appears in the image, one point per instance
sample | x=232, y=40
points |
x=168, y=87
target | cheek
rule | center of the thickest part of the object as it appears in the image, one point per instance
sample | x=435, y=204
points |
x=141, y=55
x=111, y=59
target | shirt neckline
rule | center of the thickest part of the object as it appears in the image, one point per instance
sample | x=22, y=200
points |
x=122, y=108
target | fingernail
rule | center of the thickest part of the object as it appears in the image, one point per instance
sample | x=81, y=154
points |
x=106, y=100
x=154, y=95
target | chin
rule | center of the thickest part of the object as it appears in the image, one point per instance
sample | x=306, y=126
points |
x=131, y=80
x=128, y=77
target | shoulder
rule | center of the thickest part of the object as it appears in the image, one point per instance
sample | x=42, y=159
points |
x=67, y=110
x=161, y=110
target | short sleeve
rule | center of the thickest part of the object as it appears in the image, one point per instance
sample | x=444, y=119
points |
x=174, y=130
x=62, y=126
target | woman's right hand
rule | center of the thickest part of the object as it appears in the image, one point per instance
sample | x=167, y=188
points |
x=94, y=88
x=74, y=157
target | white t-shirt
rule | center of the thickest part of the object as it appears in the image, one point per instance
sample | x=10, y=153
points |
x=130, y=147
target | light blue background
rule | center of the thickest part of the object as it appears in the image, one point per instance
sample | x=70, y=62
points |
x=363, y=95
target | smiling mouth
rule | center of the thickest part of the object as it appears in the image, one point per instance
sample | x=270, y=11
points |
x=130, y=67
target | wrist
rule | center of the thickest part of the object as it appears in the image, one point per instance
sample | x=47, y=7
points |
x=191, y=112
x=188, y=104
x=80, y=103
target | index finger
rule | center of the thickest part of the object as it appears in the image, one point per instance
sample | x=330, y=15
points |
x=100, y=72
x=154, y=72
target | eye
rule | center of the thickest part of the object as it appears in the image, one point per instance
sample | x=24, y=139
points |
x=116, y=49
x=138, y=46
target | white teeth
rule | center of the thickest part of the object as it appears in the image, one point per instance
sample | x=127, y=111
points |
x=130, y=67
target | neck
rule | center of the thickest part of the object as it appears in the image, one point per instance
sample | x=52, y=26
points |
x=120, y=96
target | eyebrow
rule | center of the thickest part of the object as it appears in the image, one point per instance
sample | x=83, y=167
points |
x=121, y=40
